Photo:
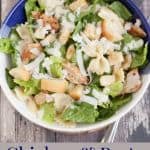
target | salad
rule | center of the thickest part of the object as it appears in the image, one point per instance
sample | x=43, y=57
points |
x=75, y=61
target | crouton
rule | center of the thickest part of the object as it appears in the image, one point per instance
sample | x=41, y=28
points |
x=54, y=85
x=64, y=36
x=78, y=4
x=76, y=92
x=20, y=73
x=137, y=31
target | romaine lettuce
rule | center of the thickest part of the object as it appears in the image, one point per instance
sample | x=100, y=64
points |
x=49, y=112
x=10, y=80
x=56, y=66
x=121, y=10
x=31, y=87
x=6, y=46
x=80, y=113
x=140, y=58
x=114, y=89
x=116, y=103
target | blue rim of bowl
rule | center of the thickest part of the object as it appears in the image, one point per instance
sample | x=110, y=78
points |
x=130, y=4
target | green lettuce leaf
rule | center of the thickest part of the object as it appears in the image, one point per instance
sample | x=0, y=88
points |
x=121, y=10
x=30, y=6
x=10, y=80
x=140, y=58
x=6, y=46
x=114, y=89
x=31, y=87
x=116, y=103
x=80, y=113
x=56, y=66
x=49, y=112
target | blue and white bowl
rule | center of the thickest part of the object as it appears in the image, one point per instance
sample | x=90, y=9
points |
x=17, y=16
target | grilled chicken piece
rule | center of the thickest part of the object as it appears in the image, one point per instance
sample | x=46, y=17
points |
x=133, y=82
x=137, y=31
x=40, y=98
x=74, y=75
x=127, y=61
x=30, y=52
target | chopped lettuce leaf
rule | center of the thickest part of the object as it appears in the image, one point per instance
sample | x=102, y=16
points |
x=6, y=46
x=49, y=112
x=114, y=89
x=56, y=66
x=140, y=58
x=31, y=87
x=95, y=82
x=67, y=2
x=80, y=113
x=14, y=37
x=10, y=80
x=42, y=69
x=121, y=10
x=30, y=6
x=116, y=103
x=63, y=51
x=42, y=4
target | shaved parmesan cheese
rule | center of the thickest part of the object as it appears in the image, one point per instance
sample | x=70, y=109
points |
x=80, y=62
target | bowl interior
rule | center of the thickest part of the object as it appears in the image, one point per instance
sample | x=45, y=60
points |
x=17, y=16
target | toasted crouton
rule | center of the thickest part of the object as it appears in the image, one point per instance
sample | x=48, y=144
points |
x=110, y=30
x=76, y=92
x=119, y=74
x=78, y=4
x=137, y=31
x=54, y=85
x=64, y=36
x=112, y=25
x=133, y=82
x=20, y=73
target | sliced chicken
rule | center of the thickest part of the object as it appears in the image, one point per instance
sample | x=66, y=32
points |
x=133, y=82
x=137, y=31
x=74, y=75
x=30, y=52
x=40, y=98
x=20, y=73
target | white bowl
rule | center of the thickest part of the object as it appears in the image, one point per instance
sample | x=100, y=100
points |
x=21, y=107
